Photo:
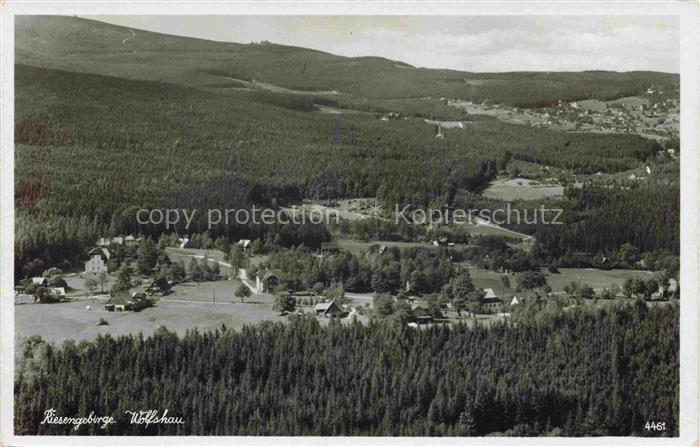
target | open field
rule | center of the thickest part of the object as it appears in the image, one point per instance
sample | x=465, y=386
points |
x=593, y=277
x=210, y=291
x=522, y=189
x=186, y=254
x=598, y=279
x=179, y=312
x=64, y=321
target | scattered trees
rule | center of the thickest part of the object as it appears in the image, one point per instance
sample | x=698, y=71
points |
x=243, y=292
x=284, y=303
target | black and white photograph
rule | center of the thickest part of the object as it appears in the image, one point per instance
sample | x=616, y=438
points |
x=235, y=223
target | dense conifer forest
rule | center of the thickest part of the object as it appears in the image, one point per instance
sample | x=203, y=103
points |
x=92, y=150
x=585, y=373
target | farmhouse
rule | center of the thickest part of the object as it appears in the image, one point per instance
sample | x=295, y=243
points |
x=420, y=315
x=123, y=301
x=490, y=300
x=119, y=302
x=160, y=286
x=514, y=301
x=59, y=292
x=98, y=261
x=329, y=310
x=267, y=280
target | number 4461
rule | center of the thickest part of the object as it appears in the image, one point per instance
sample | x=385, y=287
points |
x=655, y=426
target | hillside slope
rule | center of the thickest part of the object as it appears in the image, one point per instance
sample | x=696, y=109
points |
x=90, y=46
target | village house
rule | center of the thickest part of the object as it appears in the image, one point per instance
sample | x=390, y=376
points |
x=119, y=302
x=97, y=263
x=420, y=315
x=490, y=301
x=330, y=310
x=515, y=301
x=267, y=281
x=123, y=301
x=245, y=243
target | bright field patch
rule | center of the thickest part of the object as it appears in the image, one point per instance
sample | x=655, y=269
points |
x=522, y=189
x=64, y=321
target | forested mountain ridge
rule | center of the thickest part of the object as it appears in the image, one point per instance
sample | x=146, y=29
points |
x=101, y=147
x=109, y=120
x=89, y=46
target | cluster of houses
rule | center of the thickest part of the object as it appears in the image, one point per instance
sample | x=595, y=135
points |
x=136, y=301
x=52, y=293
x=658, y=115
x=117, y=240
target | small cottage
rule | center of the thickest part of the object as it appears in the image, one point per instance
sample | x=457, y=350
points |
x=123, y=301
x=119, y=302
x=330, y=310
x=420, y=315
x=267, y=281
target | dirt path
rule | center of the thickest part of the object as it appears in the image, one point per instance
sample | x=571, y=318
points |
x=243, y=276
x=277, y=89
